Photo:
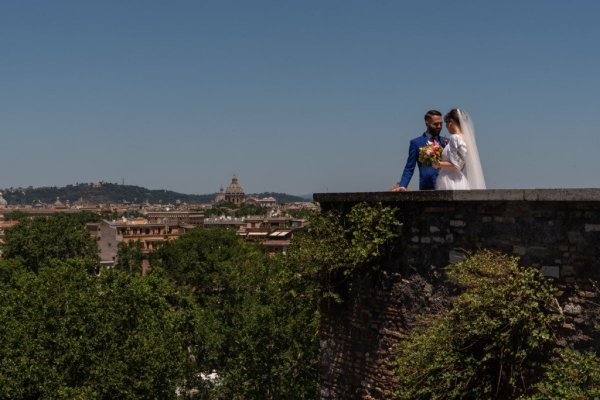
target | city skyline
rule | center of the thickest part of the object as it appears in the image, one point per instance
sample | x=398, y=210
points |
x=292, y=97
x=101, y=183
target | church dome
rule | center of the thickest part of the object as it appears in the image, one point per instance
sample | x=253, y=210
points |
x=234, y=187
x=221, y=196
x=58, y=203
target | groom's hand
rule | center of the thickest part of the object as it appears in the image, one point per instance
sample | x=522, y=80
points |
x=397, y=188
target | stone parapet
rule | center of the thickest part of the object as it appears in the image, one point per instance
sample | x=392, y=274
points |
x=556, y=230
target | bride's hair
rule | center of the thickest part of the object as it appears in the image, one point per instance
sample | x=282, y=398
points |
x=452, y=115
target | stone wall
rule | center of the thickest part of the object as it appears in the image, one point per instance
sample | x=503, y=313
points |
x=557, y=230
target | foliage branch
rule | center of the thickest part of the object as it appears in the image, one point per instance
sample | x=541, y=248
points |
x=495, y=342
x=336, y=247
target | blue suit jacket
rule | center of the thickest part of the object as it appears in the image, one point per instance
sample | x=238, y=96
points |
x=427, y=175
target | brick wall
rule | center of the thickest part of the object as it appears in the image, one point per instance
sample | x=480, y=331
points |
x=557, y=230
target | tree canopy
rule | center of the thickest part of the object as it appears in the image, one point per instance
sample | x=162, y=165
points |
x=67, y=334
x=261, y=311
x=216, y=318
x=36, y=241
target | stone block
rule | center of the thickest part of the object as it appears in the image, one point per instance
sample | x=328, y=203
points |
x=519, y=250
x=592, y=227
x=537, y=251
x=455, y=256
x=572, y=309
x=457, y=223
x=567, y=270
x=575, y=237
x=551, y=271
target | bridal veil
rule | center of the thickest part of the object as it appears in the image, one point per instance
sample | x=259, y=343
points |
x=473, y=170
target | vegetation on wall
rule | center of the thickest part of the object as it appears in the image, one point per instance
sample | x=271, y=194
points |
x=495, y=342
x=337, y=247
x=570, y=375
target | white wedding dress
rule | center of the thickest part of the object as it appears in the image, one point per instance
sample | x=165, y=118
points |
x=455, y=153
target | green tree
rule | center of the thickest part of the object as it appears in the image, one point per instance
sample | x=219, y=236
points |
x=16, y=215
x=263, y=311
x=301, y=213
x=201, y=258
x=83, y=218
x=250, y=209
x=268, y=327
x=67, y=334
x=130, y=257
x=211, y=303
x=493, y=341
x=39, y=240
x=215, y=211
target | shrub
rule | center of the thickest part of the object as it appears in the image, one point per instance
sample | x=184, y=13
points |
x=491, y=343
x=570, y=376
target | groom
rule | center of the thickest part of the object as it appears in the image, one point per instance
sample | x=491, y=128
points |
x=427, y=175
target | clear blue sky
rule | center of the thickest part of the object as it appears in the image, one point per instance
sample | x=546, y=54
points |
x=293, y=96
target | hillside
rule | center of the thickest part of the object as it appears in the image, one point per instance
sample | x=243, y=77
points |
x=115, y=193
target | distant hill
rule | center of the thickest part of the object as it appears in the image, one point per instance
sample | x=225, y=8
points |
x=97, y=193
x=282, y=197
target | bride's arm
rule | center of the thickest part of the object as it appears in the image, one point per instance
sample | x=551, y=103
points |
x=456, y=153
x=443, y=164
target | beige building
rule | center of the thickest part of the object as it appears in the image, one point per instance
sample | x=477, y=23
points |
x=175, y=217
x=151, y=235
x=273, y=233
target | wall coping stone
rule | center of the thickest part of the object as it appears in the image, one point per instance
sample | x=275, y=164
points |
x=589, y=194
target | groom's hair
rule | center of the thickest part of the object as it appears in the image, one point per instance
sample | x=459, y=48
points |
x=431, y=113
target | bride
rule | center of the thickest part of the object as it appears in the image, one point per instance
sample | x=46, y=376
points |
x=460, y=168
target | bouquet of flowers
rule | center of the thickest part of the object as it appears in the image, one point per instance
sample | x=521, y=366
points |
x=430, y=153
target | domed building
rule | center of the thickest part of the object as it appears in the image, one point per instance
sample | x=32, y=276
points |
x=58, y=205
x=219, y=198
x=235, y=192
